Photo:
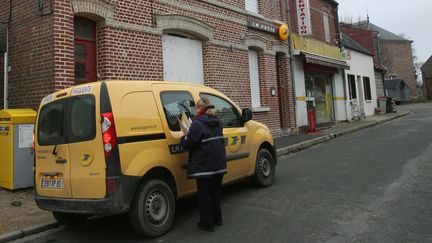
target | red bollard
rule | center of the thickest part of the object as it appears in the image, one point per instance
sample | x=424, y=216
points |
x=312, y=122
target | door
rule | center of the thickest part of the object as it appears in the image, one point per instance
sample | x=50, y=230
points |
x=173, y=104
x=323, y=98
x=87, y=160
x=279, y=67
x=236, y=142
x=85, y=50
x=52, y=175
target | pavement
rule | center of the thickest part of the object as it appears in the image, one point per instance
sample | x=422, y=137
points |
x=284, y=145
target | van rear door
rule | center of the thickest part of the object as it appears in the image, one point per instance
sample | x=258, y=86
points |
x=87, y=159
x=52, y=175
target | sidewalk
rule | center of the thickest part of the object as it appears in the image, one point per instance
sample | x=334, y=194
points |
x=284, y=145
x=295, y=143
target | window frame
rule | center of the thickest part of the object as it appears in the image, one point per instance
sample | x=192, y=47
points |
x=255, y=86
x=190, y=115
x=352, y=85
x=326, y=26
x=367, y=89
x=234, y=109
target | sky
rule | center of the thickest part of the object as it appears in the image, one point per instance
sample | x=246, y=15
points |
x=397, y=16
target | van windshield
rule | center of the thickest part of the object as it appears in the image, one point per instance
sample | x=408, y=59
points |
x=68, y=120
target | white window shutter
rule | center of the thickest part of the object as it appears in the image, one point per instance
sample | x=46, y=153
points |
x=183, y=59
x=254, y=78
x=252, y=5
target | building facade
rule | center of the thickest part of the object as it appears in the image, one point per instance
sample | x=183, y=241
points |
x=317, y=62
x=360, y=79
x=232, y=46
x=395, y=54
x=426, y=70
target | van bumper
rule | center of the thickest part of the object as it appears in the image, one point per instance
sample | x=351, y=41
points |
x=114, y=203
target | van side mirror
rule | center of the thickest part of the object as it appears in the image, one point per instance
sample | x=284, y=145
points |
x=246, y=115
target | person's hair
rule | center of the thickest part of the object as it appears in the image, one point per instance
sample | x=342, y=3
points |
x=206, y=104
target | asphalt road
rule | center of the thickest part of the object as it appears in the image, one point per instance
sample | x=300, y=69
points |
x=374, y=185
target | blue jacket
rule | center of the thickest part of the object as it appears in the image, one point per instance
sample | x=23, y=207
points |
x=206, y=147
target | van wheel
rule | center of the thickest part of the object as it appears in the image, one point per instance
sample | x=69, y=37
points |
x=69, y=219
x=264, y=168
x=153, y=209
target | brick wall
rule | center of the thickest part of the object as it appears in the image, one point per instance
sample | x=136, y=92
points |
x=397, y=57
x=317, y=24
x=31, y=56
x=129, y=46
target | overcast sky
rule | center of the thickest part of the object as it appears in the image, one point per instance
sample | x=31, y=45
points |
x=412, y=18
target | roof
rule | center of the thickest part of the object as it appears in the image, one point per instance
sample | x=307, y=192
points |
x=353, y=45
x=384, y=34
x=426, y=68
x=394, y=83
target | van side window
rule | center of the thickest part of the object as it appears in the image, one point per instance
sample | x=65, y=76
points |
x=174, y=104
x=227, y=113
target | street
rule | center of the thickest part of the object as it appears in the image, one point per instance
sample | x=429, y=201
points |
x=374, y=185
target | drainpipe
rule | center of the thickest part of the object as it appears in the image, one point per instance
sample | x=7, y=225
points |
x=6, y=70
x=343, y=70
x=290, y=49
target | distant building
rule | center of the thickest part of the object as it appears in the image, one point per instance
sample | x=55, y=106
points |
x=395, y=54
x=360, y=79
x=426, y=70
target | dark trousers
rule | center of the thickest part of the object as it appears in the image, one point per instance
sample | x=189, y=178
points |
x=209, y=199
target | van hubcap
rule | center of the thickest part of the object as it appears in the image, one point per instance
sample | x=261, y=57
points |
x=265, y=166
x=156, y=208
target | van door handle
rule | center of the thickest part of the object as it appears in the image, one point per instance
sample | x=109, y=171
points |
x=61, y=161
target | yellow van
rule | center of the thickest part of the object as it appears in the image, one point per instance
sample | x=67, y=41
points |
x=113, y=147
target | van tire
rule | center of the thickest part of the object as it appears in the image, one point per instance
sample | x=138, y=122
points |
x=153, y=209
x=69, y=219
x=264, y=169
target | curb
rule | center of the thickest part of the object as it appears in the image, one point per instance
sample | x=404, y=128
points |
x=28, y=231
x=309, y=143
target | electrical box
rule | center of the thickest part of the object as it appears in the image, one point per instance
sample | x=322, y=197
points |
x=16, y=155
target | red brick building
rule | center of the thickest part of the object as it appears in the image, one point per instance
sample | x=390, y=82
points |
x=230, y=45
x=395, y=54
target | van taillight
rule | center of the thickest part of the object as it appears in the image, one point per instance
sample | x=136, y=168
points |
x=108, y=133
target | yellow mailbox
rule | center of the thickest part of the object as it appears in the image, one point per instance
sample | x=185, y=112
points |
x=16, y=140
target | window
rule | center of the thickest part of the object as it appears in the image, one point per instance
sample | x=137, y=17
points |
x=174, y=104
x=367, y=89
x=85, y=50
x=79, y=111
x=326, y=26
x=254, y=78
x=82, y=118
x=252, y=5
x=227, y=113
x=352, y=87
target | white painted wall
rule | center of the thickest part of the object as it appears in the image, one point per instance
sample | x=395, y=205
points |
x=362, y=65
x=300, y=91
x=338, y=94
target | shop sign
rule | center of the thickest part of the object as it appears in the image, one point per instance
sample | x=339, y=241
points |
x=262, y=26
x=303, y=17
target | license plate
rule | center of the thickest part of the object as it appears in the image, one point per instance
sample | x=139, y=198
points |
x=52, y=183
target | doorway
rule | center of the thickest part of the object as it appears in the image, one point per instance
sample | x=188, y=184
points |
x=85, y=50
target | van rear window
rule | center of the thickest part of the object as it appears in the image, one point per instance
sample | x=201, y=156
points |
x=69, y=120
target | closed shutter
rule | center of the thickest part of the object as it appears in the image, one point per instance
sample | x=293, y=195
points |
x=183, y=59
x=254, y=78
x=252, y=5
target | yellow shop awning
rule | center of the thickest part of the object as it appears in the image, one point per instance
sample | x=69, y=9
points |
x=324, y=61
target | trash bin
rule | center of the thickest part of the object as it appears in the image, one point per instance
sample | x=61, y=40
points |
x=16, y=140
x=389, y=105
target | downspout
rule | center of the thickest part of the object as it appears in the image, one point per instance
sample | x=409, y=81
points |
x=6, y=70
x=290, y=49
x=343, y=70
x=6, y=59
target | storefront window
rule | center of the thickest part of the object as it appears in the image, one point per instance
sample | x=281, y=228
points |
x=319, y=90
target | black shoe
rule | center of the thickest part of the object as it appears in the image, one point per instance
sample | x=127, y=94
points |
x=218, y=222
x=208, y=228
